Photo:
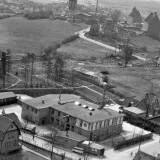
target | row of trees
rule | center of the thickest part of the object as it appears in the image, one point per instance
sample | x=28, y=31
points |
x=52, y=62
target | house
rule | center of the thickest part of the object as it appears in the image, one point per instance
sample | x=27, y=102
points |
x=134, y=17
x=151, y=25
x=140, y=155
x=73, y=114
x=9, y=135
x=7, y=98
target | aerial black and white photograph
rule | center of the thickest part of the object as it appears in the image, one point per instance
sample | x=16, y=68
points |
x=79, y=79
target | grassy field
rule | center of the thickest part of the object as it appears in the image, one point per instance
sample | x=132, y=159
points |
x=132, y=81
x=22, y=35
x=84, y=50
x=152, y=45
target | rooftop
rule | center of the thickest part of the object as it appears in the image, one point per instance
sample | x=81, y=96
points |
x=134, y=110
x=4, y=125
x=4, y=95
x=74, y=106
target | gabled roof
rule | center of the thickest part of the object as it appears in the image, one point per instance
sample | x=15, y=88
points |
x=134, y=12
x=4, y=95
x=5, y=123
x=143, y=156
x=14, y=117
x=150, y=16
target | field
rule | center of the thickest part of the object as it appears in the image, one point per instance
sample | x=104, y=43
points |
x=84, y=50
x=152, y=45
x=22, y=35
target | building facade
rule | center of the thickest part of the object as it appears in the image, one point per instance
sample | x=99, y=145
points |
x=9, y=135
x=81, y=116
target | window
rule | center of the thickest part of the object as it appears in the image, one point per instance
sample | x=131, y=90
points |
x=81, y=123
x=79, y=131
x=27, y=107
x=10, y=135
x=59, y=114
x=35, y=110
x=110, y=122
x=52, y=111
x=52, y=119
x=32, y=109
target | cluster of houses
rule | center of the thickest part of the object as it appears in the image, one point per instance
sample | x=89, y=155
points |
x=150, y=25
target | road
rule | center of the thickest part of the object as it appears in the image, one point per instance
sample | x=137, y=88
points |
x=82, y=35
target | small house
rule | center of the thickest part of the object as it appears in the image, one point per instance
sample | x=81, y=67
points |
x=134, y=17
x=152, y=25
x=9, y=135
x=7, y=98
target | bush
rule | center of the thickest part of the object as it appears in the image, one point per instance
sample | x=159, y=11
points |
x=70, y=39
x=38, y=15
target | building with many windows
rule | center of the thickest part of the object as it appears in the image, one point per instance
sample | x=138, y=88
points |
x=73, y=114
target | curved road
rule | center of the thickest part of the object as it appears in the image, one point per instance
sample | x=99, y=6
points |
x=82, y=35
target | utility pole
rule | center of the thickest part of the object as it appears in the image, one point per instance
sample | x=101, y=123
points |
x=96, y=8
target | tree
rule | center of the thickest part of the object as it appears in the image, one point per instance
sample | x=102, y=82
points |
x=94, y=30
x=109, y=29
x=115, y=15
x=59, y=67
x=25, y=63
x=128, y=51
x=4, y=67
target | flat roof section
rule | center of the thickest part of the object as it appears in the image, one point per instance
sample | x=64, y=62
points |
x=134, y=110
x=4, y=95
x=74, y=106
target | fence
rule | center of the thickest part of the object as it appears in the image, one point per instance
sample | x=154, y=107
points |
x=57, y=153
x=133, y=141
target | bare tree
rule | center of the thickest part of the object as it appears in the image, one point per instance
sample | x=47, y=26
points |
x=4, y=67
x=128, y=51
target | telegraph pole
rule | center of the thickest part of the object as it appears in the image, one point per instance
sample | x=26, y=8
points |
x=96, y=7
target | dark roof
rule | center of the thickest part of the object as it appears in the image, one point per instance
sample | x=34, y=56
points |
x=14, y=117
x=4, y=125
x=143, y=156
x=4, y=95
x=69, y=107
x=150, y=16
x=137, y=18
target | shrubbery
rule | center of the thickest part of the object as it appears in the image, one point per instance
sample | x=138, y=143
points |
x=70, y=39
x=38, y=15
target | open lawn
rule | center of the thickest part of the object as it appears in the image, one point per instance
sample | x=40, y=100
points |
x=151, y=44
x=132, y=81
x=22, y=35
x=84, y=50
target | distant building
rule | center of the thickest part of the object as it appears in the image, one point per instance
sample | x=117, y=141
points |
x=152, y=25
x=7, y=98
x=134, y=17
x=9, y=135
x=73, y=114
x=145, y=156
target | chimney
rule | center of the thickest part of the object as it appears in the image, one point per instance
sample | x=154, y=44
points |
x=43, y=101
x=158, y=157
